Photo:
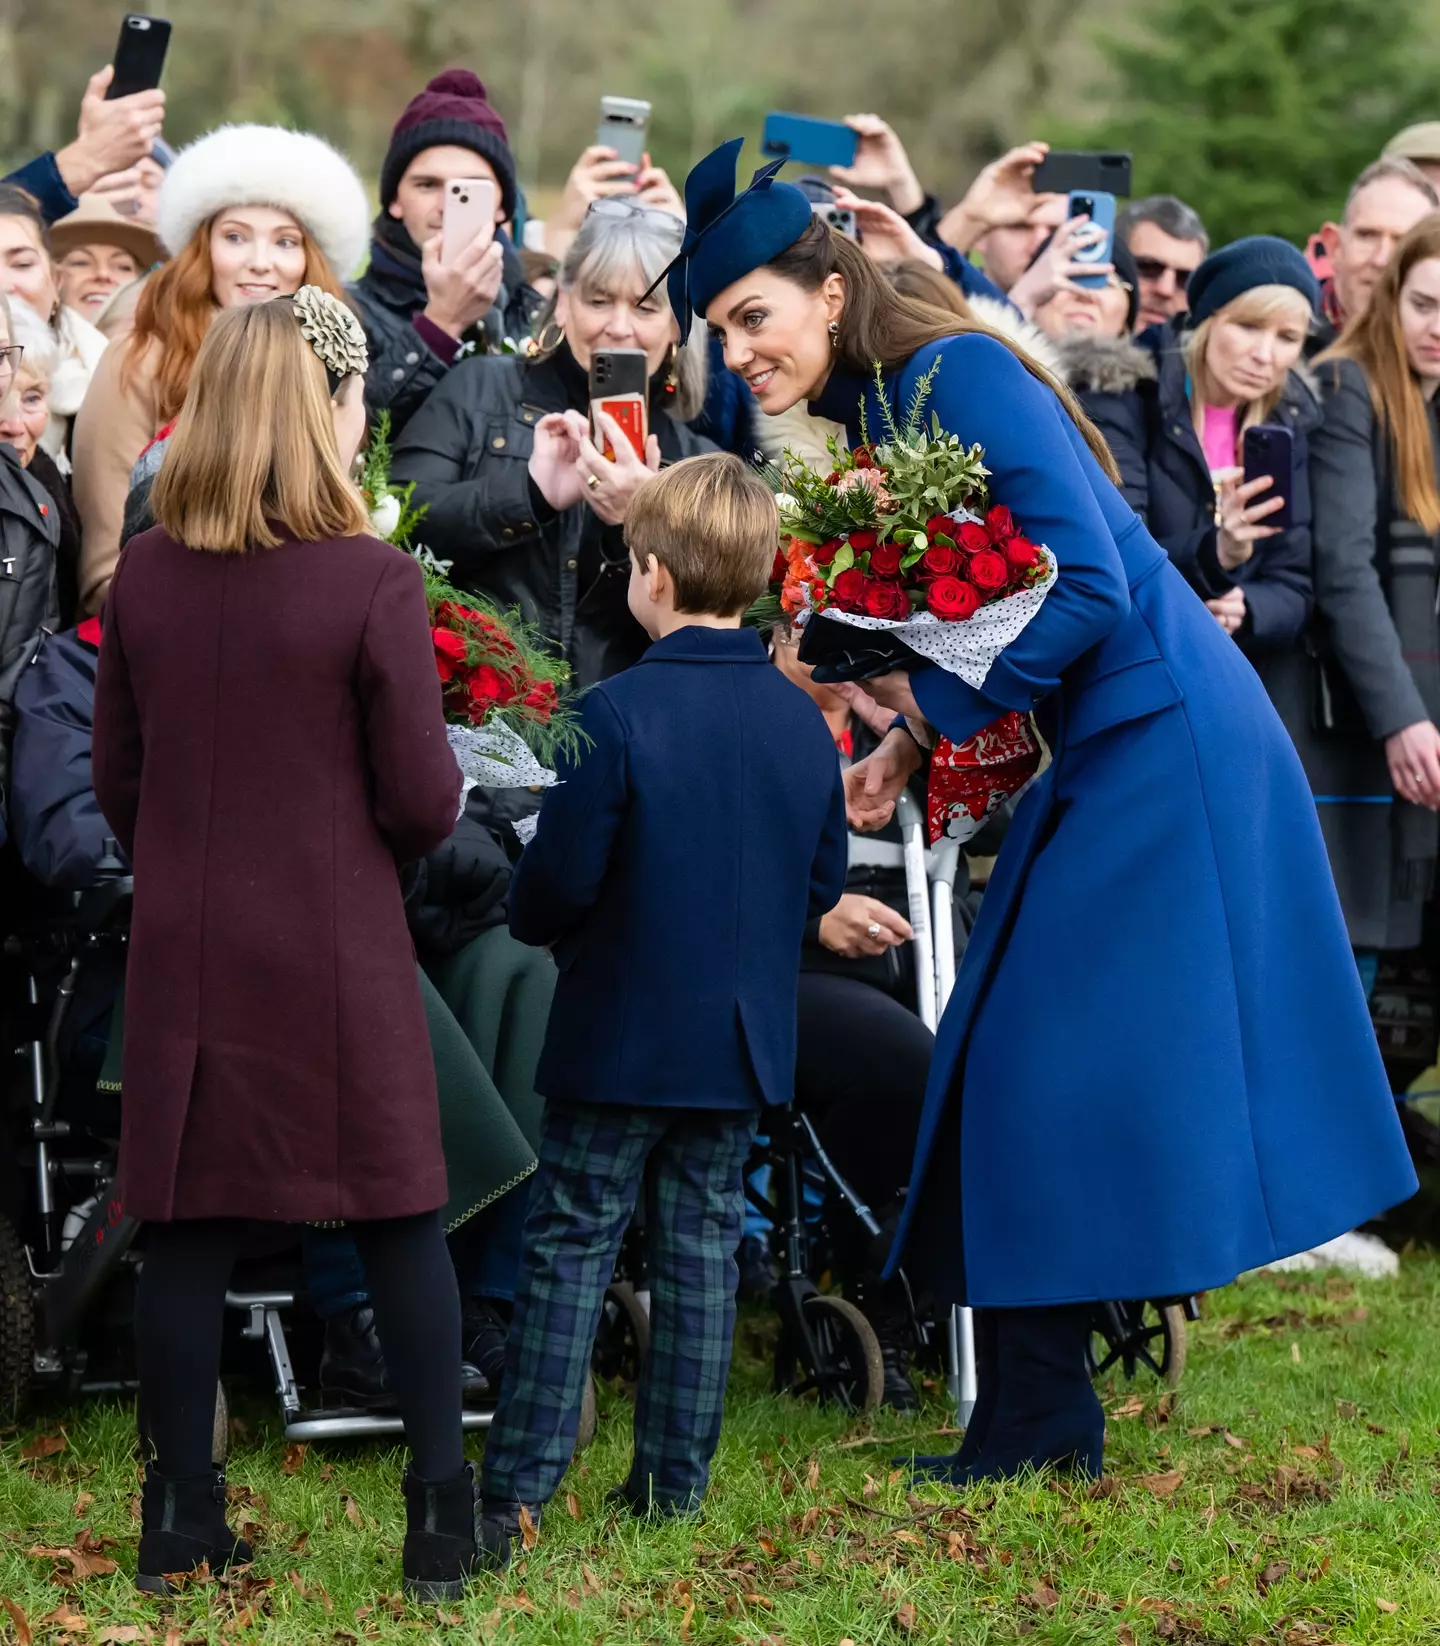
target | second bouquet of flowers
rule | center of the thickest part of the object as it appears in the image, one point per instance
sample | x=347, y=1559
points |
x=899, y=555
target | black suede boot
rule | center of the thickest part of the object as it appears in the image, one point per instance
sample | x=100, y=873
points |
x=183, y=1527
x=445, y=1540
x=987, y=1389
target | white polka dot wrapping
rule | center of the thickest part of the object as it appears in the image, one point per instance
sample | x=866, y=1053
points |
x=967, y=646
x=495, y=757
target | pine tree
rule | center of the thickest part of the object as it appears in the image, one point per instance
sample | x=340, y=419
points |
x=1260, y=113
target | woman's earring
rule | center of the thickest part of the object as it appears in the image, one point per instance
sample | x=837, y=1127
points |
x=672, y=377
x=834, y=334
x=545, y=343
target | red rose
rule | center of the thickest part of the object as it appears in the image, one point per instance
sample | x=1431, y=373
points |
x=951, y=599
x=1000, y=523
x=823, y=553
x=863, y=459
x=941, y=525
x=885, y=560
x=972, y=538
x=449, y=644
x=861, y=541
x=779, y=567
x=886, y=600
x=848, y=590
x=487, y=685
x=941, y=562
x=988, y=571
x=543, y=698
x=1022, y=555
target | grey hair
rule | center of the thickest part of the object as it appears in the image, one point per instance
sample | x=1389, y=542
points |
x=42, y=352
x=618, y=249
x=1402, y=170
x=1168, y=213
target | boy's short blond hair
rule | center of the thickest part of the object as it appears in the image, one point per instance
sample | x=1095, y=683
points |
x=712, y=523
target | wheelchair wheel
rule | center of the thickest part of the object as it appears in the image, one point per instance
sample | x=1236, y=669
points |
x=17, y=1321
x=622, y=1341
x=1136, y=1336
x=589, y=1416
x=848, y=1371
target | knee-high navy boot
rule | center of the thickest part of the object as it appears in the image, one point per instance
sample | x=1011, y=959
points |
x=1046, y=1411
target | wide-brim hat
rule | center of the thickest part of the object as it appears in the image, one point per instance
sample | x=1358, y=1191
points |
x=293, y=171
x=95, y=222
x=1420, y=143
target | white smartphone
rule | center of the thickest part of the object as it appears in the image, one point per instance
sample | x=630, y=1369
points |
x=469, y=215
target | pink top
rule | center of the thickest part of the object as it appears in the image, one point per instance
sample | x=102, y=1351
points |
x=1217, y=437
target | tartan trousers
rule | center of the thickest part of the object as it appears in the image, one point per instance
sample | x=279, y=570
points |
x=593, y=1158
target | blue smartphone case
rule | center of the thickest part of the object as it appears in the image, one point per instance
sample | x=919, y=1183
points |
x=1100, y=209
x=812, y=142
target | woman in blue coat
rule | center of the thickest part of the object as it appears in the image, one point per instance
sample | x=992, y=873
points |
x=1156, y=1069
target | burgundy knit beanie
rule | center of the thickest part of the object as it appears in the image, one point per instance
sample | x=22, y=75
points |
x=453, y=108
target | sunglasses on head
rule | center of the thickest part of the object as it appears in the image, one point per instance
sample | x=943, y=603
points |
x=1151, y=268
x=610, y=207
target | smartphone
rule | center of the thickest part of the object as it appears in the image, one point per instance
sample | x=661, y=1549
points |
x=619, y=385
x=814, y=142
x=469, y=215
x=840, y=218
x=623, y=124
x=1269, y=448
x=1070, y=171
x=1100, y=209
x=139, y=54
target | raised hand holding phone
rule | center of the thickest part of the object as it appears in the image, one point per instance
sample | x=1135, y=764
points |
x=464, y=265
x=1240, y=518
x=610, y=483
x=112, y=135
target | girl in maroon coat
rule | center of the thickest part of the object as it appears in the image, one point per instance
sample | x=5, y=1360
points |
x=268, y=747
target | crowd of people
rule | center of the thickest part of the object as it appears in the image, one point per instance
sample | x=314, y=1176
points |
x=125, y=281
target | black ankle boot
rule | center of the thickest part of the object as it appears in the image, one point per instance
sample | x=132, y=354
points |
x=987, y=1387
x=182, y=1527
x=884, y=1305
x=352, y=1364
x=445, y=1540
x=484, y=1332
x=501, y=1528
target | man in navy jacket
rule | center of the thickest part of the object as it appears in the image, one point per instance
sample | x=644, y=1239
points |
x=672, y=872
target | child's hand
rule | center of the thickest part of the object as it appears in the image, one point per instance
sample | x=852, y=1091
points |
x=859, y=926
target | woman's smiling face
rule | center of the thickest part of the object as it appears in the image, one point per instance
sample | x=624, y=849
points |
x=777, y=335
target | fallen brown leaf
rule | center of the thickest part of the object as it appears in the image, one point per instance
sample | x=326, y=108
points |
x=906, y=1616
x=1162, y=1485
x=812, y=1475
x=118, y=1633
x=529, y=1531
x=572, y=1505
x=1131, y=1406
x=82, y=1503
x=1043, y=1597
x=352, y=1511
x=1124, y=1635
x=43, y=1446
x=294, y=1457
x=1237, y=1441
x=518, y=1603
x=83, y=1562
x=768, y=1548
x=1386, y=1605
x=592, y=1583
x=67, y=1621
x=21, y=1622
x=1272, y=1574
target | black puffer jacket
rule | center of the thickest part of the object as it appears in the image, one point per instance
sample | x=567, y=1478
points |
x=468, y=451
x=1142, y=407
x=29, y=605
x=458, y=891
x=403, y=367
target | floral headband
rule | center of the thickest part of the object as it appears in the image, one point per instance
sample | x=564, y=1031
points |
x=332, y=330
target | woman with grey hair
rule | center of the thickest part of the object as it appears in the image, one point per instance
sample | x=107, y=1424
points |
x=527, y=506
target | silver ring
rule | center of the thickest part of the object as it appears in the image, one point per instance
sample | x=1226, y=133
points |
x=873, y=929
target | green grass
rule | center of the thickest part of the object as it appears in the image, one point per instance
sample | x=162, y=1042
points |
x=1288, y=1494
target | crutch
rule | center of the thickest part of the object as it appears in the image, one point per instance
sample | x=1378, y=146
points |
x=931, y=899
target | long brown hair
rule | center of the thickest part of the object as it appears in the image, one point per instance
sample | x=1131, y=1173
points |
x=880, y=323
x=1375, y=342
x=176, y=307
x=254, y=448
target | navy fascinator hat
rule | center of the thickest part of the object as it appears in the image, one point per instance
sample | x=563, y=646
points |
x=729, y=234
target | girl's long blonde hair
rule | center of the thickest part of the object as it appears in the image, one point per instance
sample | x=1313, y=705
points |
x=253, y=459
x=1375, y=342
x=1259, y=306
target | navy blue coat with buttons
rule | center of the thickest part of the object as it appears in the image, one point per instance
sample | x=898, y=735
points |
x=1166, y=479
x=1159, y=989
x=673, y=871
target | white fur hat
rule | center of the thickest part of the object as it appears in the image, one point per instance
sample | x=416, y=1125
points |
x=268, y=166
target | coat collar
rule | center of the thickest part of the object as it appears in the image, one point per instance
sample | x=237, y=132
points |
x=845, y=392
x=695, y=644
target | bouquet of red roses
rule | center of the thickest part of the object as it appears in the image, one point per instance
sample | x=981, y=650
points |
x=901, y=537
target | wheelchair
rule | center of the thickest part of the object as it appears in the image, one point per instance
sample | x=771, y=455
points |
x=69, y=1252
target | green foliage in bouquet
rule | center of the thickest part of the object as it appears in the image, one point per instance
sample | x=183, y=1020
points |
x=376, y=488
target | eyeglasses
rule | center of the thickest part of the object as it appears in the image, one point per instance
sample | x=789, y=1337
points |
x=620, y=209
x=10, y=356
x=1152, y=268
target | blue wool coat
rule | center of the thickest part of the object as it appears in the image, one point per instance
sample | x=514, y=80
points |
x=673, y=871
x=1158, y=1041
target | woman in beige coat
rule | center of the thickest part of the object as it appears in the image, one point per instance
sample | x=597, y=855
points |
x=248, y=213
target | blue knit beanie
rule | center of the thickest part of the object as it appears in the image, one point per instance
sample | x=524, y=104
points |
x=1257, y=260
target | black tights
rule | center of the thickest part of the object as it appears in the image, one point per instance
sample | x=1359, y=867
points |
x=179, y=1311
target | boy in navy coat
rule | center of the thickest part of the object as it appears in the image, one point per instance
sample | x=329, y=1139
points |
x=672, y=872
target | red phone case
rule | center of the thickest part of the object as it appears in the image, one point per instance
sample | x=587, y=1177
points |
x=628, y=410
